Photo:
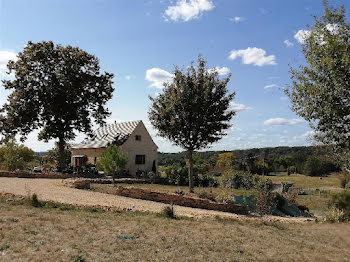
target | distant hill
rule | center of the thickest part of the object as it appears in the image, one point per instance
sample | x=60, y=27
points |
x=267, y=152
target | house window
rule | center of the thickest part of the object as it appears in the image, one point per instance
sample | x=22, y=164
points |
x=138, y=137
x=140, y=159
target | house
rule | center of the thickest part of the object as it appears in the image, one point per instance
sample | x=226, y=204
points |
x=133, y=139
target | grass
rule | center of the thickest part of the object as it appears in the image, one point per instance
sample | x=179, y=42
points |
x=77, y=234
x=317, y=198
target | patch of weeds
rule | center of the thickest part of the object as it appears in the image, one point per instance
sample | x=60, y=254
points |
x=275, y=225
x=13, y=220
x=34, y=201
x=168, y=212
x=4, y=247
x=94, y=210
x=128, y=237
x=31, y=214
x=32, y=232
x=78, y=258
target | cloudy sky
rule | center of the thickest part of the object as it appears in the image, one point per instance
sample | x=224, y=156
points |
x=141, y=41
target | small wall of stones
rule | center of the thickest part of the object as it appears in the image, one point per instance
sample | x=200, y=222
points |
x=180, y=200
x=25, y=174
x=76, y=183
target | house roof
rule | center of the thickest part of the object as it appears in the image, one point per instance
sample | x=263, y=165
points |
x=116, y=133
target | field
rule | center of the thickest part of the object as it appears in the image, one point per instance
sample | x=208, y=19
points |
x=65, y=233
x=317, y=198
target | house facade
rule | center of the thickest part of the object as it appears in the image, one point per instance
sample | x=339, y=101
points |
x=132, y=138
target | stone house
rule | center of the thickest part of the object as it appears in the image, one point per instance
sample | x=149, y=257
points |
x=133, y=139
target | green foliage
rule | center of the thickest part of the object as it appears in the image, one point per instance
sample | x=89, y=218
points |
x=317, y=166
x=193, y=111
x=335, y=215
x=226, y=160
x=341, y=201
x=238, y=179
x=344, y=180
x=265, y=198
x=112, y=161
x=168, y=212
x=320, y=88
x=58, y=89
x=15, y=157
x=34, y=201
x=53, y=155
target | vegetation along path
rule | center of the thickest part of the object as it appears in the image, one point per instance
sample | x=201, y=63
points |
x=52, y=190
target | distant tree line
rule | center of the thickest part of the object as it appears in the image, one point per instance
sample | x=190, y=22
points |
x=311, y=160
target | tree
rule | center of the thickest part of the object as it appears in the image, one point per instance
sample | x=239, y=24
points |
x=112, y=161
x=53, y=155
x=320, y=89
x=226, y=160
x=15, y=157
x=193, y=111
x=58, y=89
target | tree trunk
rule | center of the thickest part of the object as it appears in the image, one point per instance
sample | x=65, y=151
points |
x=190, y=171
x=61, y=162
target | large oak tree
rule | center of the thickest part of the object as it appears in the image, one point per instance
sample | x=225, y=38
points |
x=57, y=89
x=320, y=92
x=193, y=111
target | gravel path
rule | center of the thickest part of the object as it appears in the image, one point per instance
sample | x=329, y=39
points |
x=52, y=190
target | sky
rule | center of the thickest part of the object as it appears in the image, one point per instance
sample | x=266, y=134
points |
x=140, y=42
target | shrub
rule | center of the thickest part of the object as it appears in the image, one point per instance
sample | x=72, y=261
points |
x=34, y=201
x=341, y=201
x=335, y=215
x=344, y=180
x=265, y=199
x=233, y=179
x=206, y=180
x=206, y=195
x=168, y=211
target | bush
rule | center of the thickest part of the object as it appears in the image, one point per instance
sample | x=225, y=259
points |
x=335, y=215
x=344, y=180
x=318, y=166
x=266, y=199
x=206, y=180
x=206, y=195
x=34, y=201
x=168, y=211
x=341, y=201
x=233, y=179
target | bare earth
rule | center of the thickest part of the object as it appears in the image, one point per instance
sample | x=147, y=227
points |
x=52, y=190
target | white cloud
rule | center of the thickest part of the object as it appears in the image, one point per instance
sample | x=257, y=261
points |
x=302, y=35
x=271, y=86
x=158, y=77
x=288, y=43
x=308, y=136
x=282, y=122
x=186, y=10
x=254, y=56
x=221, y=70
x=239, y=107
x=237, y=19
x=284, y=98
x=127, y=77
x=5, y=56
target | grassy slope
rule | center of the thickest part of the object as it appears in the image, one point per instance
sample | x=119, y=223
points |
x=48, y=234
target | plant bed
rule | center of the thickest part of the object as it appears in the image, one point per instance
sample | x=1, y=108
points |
x=181, y=200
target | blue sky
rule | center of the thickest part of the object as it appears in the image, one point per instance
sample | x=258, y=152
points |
x=141, y=41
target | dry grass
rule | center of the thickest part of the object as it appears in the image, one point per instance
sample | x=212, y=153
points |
x=52, y=234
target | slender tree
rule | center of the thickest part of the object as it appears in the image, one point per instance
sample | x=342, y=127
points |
x=57, y=89
x=320, y=92
x=193, y=111
x=112, y=161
